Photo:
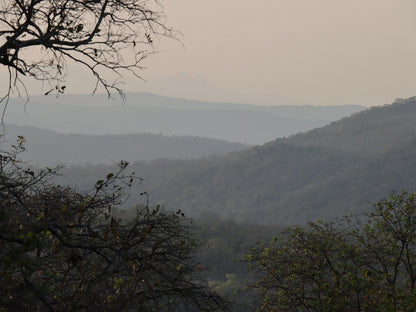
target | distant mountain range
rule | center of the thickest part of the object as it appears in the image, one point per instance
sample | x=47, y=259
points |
x=327, y=172
x=48, y=148
x=145, y=112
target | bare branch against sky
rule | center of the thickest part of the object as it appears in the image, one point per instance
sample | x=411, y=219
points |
x=39, y=39
x=320, y=52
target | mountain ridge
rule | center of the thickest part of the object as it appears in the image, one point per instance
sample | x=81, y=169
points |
x=291, y=180
x=282, y=182
x=47, y=148
x=143, y=112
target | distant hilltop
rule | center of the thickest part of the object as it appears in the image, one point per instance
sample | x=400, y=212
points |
x=48, y=148
x=145, y=112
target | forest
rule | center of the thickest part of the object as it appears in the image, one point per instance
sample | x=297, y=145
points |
x=241, y=258
x=326, y=172
x=44, y=147
x=228, y=207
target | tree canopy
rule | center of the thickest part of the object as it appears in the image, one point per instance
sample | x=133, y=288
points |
x=64, y=250
x=349, y=265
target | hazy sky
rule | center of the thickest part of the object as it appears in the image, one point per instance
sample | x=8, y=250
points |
x=320, y=52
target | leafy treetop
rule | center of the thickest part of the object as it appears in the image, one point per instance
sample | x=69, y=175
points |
x=348, y=265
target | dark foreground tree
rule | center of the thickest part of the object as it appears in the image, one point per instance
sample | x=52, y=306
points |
x=342, y=266
x=63, y=250
x=108, y=37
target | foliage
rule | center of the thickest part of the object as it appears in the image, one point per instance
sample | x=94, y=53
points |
x=348, y=265
x=288, y=182
x=92, y=33
x=225, y=243
x=64, y=250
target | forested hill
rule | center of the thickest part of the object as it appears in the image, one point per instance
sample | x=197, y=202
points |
x=370, y=132
x=320, y=174
x=47, y=148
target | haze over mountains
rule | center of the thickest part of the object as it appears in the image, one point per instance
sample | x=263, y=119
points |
x=332, y=171
x=48, y=148
x=144, y=112
x=326, y=172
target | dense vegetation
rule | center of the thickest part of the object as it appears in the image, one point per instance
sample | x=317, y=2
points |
x=45, y=147
x=224, y=242
x=61, y=245
x=346, y=265
x=369, y=133
x=65, y=250
x=317, y=174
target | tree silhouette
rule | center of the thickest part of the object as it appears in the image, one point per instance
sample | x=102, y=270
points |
x=38, y=38
x=64, y=250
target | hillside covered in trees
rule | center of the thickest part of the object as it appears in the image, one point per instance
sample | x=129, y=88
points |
x=46, y=148
x=332, y=171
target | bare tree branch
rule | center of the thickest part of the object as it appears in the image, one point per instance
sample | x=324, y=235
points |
x=107, y=37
